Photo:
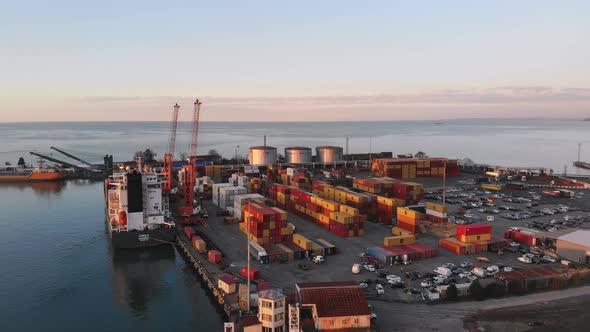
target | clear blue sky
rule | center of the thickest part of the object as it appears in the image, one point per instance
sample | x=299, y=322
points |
x=297, y=60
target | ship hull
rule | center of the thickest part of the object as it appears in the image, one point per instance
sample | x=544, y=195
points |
x=142, y=239
x=35, y=177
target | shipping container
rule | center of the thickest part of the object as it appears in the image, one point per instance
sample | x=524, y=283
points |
x=474, y=229
x=214, y=256
x=254, y=273
x=474, y=238
x=392, y=241
x=489, y=186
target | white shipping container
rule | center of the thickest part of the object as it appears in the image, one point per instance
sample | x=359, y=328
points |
x=240, y=200
x=436, y=213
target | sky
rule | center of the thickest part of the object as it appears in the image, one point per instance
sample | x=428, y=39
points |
x=293, y=60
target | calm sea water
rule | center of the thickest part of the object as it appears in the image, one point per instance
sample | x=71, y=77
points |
x=533, y=143
x=59, y=272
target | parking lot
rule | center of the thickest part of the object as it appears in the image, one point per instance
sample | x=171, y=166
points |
x=339, y=267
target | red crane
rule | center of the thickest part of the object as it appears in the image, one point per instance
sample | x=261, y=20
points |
x=190, y=170
x=169, y=157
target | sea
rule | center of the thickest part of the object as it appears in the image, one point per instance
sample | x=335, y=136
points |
x=59, y=272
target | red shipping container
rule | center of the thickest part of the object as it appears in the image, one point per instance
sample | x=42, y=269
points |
x=408, y=227
x=254, y=273
x=407, y=220
x=189, y=231
x=214, y=256
x=474, y=229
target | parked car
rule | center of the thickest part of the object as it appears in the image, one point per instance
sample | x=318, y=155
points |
x=369, y=267
x=466, y=265
x=525, y=259
x=363, y=285
x=464, y=274
x=443, y=271
x=380, y=289
x=318, y=259
x=549, y=259
x=514, y=244
x=426, y=284
x=493, y=269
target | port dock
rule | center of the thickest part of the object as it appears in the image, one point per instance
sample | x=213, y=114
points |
x=208, y=273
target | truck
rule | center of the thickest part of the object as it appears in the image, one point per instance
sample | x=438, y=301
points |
x=492, y=187
x=258, y=253
x=479, y=272
x=515, y=185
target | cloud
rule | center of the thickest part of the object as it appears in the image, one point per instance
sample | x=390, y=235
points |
x=505, y=94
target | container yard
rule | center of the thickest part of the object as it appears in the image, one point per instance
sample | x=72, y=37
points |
x=411, y=226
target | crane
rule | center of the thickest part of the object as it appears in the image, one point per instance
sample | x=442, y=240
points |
x=169, y=157
x=190, y=170
x=73, y=157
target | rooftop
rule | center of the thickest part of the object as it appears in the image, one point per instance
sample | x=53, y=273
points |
x=577, y=237
x=271, y=294
x=334, y=299
x=227, y=279
x=249, y=321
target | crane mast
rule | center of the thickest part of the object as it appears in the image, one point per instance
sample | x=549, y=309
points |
x=190, y=170
x=169, y=157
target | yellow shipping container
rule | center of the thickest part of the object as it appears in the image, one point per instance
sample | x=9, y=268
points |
x=341, y=217
x=286, y=230
x=391, y=241
x=488, y=186
x=324, y=219
x=400, y=231
x=266, y=233
x=243, y=227
x=199, y=245
x=302, y=241
x=349, y=210
x=437, y=207
x=475, y=238
x=386, y=201
x=362, y=232
x=410, y=213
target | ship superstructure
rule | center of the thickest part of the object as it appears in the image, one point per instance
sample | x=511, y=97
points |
x=137, y=210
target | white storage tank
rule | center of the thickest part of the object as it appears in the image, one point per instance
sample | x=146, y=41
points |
x=297, y=155
x=262, y=155
x=328, y=154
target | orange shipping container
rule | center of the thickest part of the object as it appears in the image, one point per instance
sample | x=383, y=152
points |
x=475, y=238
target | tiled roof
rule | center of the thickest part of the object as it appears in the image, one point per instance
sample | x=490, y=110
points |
x=227, y=279
x=334, y=299
x=249, y=321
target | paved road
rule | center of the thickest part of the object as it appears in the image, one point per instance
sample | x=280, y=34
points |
x=449, y=316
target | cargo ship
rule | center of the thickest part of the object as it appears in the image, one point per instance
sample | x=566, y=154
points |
x=37, y=174
x=137, y=212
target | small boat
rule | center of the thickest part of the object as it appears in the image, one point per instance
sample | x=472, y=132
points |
x=22, y=174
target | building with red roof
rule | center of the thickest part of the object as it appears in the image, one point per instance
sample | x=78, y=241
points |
x=336, y=306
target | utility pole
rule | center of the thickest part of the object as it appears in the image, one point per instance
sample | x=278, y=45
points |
x=248, y=250
x=347, y=149
x=444, y=182
x=371, y=149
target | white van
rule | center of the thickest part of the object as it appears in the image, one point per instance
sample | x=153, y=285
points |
x=478, y=271
x=443, y=271
x=318, y=259
x=490, y=218
x=356, y=268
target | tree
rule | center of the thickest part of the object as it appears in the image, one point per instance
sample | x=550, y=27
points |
x=214, y=153
x=21, y=161
x=452, y=292
x=477, y=292
x=183, y=156
x=148, y=155
x=7, y=163
x=420, y=155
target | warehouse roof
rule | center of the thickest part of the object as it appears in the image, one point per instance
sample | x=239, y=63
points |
x=334, y=299
x=578, y=237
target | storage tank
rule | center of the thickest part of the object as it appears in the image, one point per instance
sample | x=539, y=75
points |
x=297, y=155
x=262, y=155
x=328, y=154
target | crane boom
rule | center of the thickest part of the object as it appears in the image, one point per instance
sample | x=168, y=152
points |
x=61, y=162
x=174, y=123
x=195, y=138
x=72, y=156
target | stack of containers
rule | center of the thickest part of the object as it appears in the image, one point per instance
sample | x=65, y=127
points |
x=437, y=213
x=267, y=224
x=227, y=194
x=412, y=168
x=240, y=200
x=386, y=209
x=255, y=186
x=215, y=191
x=243, y=181
x=214, y=256
x=389, y=255
x=392, y=241
x=363, y=202
x=474, y=233
x=409, y=192
x=409, y=218
x=213, y=171
x=471, y=239
x=521, y=236
x=341, y=219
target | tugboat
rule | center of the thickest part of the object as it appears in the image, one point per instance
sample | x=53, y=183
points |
x=137, y=212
